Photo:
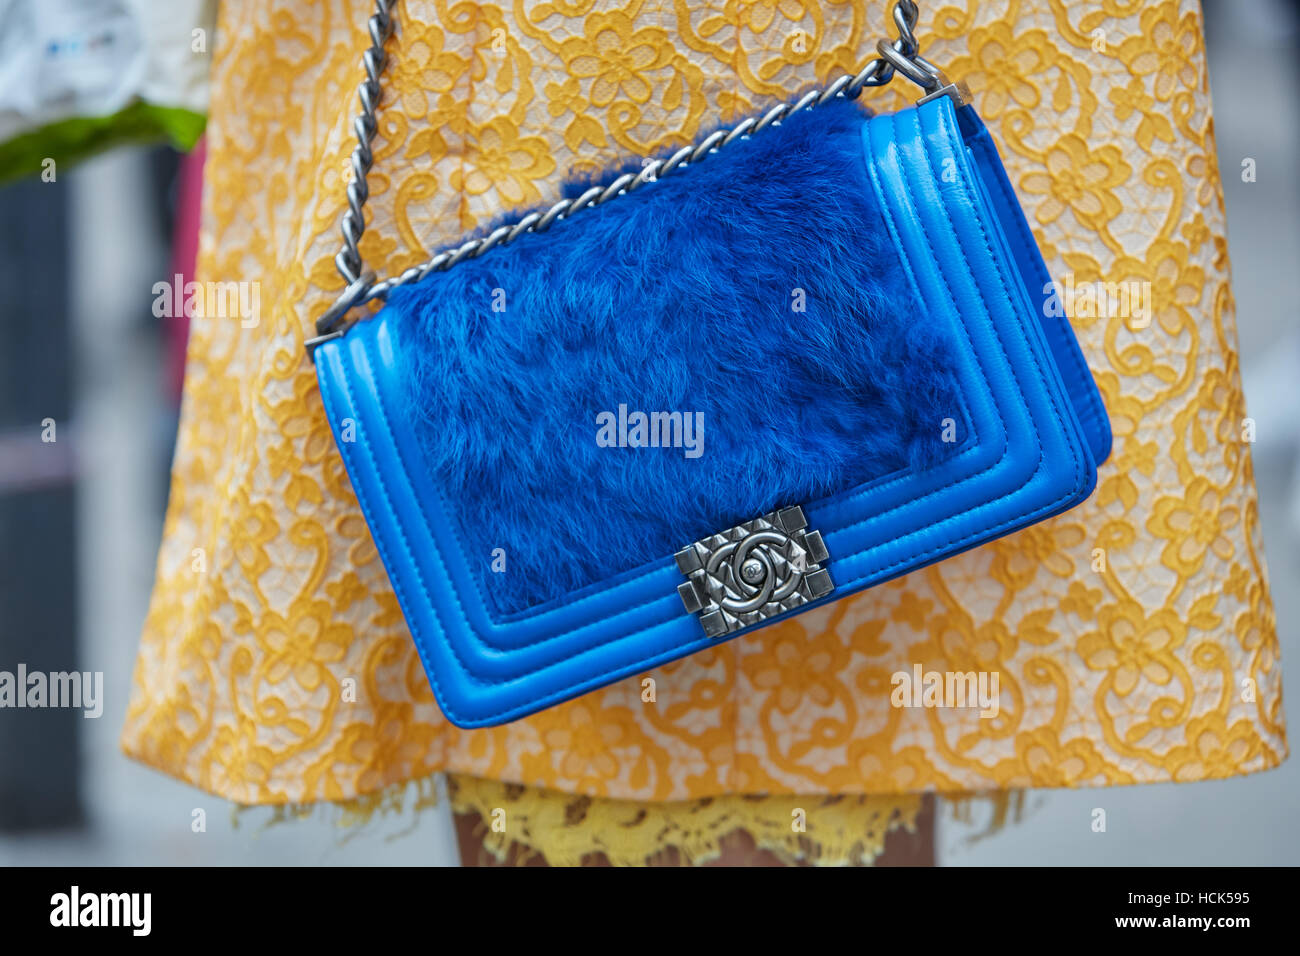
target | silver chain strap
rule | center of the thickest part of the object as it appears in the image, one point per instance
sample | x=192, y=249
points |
x=353, y=226
x=902, y=56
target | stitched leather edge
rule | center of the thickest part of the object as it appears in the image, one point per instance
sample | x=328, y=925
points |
x=1097, y=416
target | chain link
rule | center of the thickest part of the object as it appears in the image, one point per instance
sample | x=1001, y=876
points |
x=353, y=226
x=901, y=56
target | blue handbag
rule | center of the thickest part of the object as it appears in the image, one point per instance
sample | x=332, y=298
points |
x=803, y=356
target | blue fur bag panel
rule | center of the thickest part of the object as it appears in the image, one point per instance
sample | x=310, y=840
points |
x=781, y=332
x=580, y=453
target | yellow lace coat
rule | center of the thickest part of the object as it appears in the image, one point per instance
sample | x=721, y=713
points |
x=1159, y=662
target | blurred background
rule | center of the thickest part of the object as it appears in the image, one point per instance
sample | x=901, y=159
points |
x=80, y=517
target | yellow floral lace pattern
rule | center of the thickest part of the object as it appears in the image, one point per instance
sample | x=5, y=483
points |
x=566, y=829
x=1134, y=636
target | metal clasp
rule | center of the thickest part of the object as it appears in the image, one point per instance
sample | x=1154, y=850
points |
x=754, y=571
x=958, y=92
x=925, y=75
x=333, y=323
